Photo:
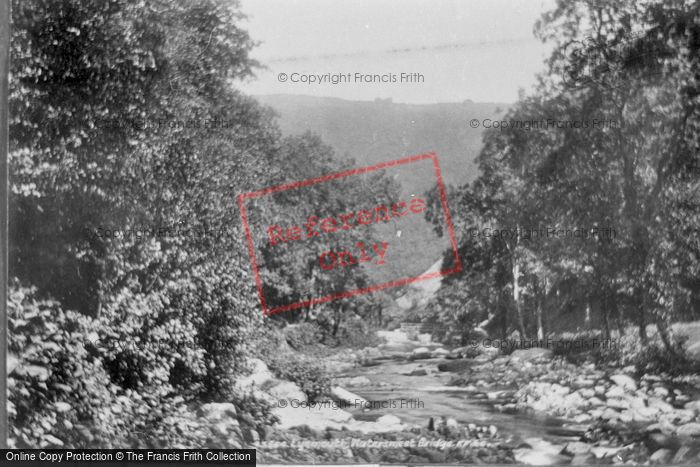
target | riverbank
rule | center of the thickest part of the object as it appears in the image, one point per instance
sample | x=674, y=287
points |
x=410, y=400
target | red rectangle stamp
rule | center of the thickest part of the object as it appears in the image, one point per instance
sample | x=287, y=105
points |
x=345, y=234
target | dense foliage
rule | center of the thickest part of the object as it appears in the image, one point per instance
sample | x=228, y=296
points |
x=635, y=69
x=134, y=300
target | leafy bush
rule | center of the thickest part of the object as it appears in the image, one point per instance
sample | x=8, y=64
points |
x=60, y=394
x=302, y=335
x=627, y=350
x=357, y=334
x=311, y=376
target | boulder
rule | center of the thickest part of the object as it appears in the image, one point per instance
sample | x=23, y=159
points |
x=681, y=455
x=260, y=374
x=418, y=372
x=660, y=405
x=692, y=405
x=577, y=447
x=286, y=390
x=662, y=456
x=420, y=353
x=689, y=429
x=624, y=381
x=357, y=381
x=389, y=423
x=530, y=355
x=341, y=394
x=454, y=365
x=440, y=353
x=615, y=392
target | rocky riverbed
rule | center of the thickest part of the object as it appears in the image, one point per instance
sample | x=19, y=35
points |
x=408, y=400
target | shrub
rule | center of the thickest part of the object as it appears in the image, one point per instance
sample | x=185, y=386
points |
x=355, y=333
x=303, y=335
x=60, y=394
x=311, y=376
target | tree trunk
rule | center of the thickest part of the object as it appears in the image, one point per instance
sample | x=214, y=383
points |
x=642, y=322
x=541, y=298
x=666, y=334
x=516, y=299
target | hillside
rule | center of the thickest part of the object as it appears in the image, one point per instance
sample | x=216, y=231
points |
x=372, y=132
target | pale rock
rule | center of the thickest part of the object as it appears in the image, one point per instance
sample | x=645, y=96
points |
x=341, y=394
x=389, y=420
x=217, y=411
x=624, y=381
x=358, y=381
x=693, y=405
x=615, y=391
x=604, y=451
x=576, y=447
x=50, y=440
x=286, y=390
x=660, y=405
x=681, y=455
x=682, y=416
x=661, y=456
x=689, y=429
x=259, y=375
x=62, y=406
x=595, y=402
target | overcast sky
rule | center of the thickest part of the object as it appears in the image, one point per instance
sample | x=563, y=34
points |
x=465, y=49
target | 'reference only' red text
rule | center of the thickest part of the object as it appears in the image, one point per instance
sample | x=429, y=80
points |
x=315, y=226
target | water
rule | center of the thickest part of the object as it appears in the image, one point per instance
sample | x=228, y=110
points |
x=390, y=382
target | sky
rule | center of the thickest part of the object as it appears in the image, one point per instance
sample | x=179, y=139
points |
x=454, y=50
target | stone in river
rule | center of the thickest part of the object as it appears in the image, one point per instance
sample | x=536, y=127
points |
x=420, y=353
x=454, y=365
x=661, y=456
x=689, y=429
x=576, y=447
x=624, y=381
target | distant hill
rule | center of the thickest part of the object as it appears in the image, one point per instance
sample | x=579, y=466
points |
x=380, y=130
x=373, y=132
